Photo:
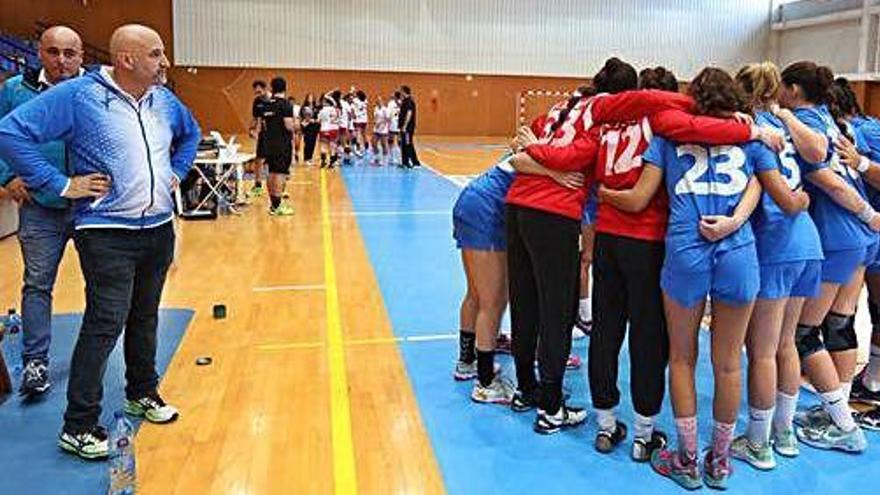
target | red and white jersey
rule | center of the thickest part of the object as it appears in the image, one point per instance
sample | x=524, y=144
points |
x=620, y=165
x=359, y=108
x=328, y=117
x=393, y=113
x=382, y=124
x=344, y=114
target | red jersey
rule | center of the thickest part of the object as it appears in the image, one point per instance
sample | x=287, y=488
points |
x=619, y=164
x=573, y=145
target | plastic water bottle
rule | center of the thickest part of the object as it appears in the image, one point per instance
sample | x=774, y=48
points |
x=13, y=337
x=123, y=472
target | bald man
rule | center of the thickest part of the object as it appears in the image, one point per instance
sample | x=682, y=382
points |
x=45, y=219
x=131, y=141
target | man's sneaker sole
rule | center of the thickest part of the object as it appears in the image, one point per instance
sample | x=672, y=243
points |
x=133, y=409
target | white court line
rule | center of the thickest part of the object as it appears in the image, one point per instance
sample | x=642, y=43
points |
x=279, y=288
x=430, y=338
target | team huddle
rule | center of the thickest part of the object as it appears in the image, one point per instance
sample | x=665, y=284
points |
x=758, y=193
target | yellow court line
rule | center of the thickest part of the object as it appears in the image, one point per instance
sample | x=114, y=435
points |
x=344, y=471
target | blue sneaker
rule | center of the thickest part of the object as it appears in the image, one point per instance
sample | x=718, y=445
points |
x=831, y=437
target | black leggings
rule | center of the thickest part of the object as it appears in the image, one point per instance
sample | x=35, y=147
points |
x=310, y=138
x=626, y=287
x=542, y=262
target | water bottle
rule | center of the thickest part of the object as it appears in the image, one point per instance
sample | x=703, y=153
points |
x=13, y=337
x=123, y=473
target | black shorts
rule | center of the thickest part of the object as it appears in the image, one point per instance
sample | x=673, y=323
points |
x=261, y=146
x=279, y=161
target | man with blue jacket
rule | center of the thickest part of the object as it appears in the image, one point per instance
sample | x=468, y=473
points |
x=131, y=141
x=45, y=219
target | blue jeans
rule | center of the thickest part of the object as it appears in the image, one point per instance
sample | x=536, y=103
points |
x=43, y=234
x=125, y=272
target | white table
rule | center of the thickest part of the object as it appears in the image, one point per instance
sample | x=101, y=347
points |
x=226, y=167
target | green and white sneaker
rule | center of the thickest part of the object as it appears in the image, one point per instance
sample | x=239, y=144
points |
x=831, y=437
x=500, y=391
x=91, y=444
x=814, y=417
x=152, y=408
x=759, y=456
x=785, y=443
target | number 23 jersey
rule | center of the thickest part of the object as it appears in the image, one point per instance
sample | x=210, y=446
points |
x=705, y=180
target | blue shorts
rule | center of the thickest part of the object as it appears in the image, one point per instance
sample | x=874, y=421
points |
x=791, y=279
x=734, y=278
x=478, y=222
x=839, y=266
x=873, y=266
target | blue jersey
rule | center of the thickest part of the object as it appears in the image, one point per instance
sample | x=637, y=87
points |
x=838, y=228
x=494, y=182
x=591, y=206
x=868, y=129
x=781, y=237
x=705, y=180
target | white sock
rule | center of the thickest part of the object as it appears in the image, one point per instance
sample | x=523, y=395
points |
x=846, y=388
x=644, y=426
x=607, y=419
x=837, y=406
x=758, y=429
x=871, y=378
x=785, y=408
x=585, y=308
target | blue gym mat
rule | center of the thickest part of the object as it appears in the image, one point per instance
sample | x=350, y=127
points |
x=30, y=461
x=489, y=449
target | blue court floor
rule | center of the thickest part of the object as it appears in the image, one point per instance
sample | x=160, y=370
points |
x=405, y=219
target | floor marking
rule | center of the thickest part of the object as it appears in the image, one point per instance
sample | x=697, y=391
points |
x=390, y=213
x=344, y=470
x=412, y=339
x=277, y=288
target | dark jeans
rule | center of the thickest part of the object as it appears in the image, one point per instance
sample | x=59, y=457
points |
x=542, y=261
x=310, y=138
x=408, y=156
x=124, y=272
x=626, y=288
x=43, y=234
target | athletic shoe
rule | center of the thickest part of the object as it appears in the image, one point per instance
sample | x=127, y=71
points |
x=35, y=378
x=581, y=328
x=565, y=417
x=759, y=456
x=815, y=416
x=255, y=192
x=831, y=437
x=686, y=473
x=785, y=443
x=522, y=402
x=91, y=444
x=869, y=420
x=716, y=471
x=282, y=211
x=606, y=441
x=152, y=408
x=465, y=371
x=500, y=391
x=642, y=449
x=861, y=393
x=573, y=362
x=503, y=343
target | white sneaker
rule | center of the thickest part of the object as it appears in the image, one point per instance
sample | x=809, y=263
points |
x=500, y=391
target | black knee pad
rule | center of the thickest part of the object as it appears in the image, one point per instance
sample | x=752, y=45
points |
x=839, y=332
x=807, y=340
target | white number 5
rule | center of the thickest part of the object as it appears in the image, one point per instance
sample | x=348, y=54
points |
x=728, y=162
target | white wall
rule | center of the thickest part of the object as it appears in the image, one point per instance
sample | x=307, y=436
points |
x=530, y=37
x=835, y=45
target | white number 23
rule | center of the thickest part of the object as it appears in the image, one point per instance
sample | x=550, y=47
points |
x=728, y=161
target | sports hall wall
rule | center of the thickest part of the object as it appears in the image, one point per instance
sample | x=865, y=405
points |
x=462, y=102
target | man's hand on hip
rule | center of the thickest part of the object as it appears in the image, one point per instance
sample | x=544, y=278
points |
x=87, y=186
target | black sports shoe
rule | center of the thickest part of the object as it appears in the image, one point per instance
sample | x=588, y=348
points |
x=35, y=378
x=606, y=441
x=861, y=393
x=869, y=420
x=91, y=444
x=565, y=417
x=642, y=449
x=523, y=402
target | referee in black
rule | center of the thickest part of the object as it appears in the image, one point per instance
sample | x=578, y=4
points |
x=407, y=125
x=278, y=127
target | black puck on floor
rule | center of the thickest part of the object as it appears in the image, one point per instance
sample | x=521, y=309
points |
x=204, y=361
x=219, y=311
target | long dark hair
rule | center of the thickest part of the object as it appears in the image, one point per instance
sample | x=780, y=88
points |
x=579, y=93
x=615, y=76
x=658, y=78
x=814, y=80
x=715, y=92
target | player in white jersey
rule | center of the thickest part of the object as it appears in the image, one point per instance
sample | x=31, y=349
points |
x=345, y=125
x=381, y=126
x=360, y=109
x=393, y=109
x=328, y=118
